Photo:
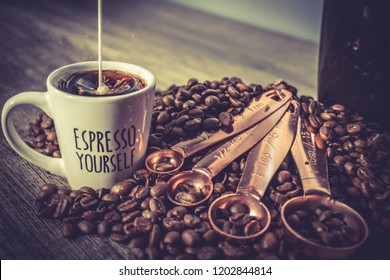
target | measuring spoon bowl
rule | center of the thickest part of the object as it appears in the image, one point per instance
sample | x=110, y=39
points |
x=358, y=235
x=257, y=210
x=164, y=162
x=190, y=188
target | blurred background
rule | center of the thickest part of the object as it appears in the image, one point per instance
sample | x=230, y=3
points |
x=257, y=40
x=298, y=18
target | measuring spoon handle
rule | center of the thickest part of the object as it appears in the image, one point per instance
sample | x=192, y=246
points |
x=266, y=157
x=257, y=111
x=218, y=159
x=311, y=162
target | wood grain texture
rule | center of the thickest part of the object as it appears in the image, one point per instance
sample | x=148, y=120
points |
x=173, y=42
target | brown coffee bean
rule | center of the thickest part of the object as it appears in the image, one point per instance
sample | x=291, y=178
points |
x=123, y=187
x=191, y=221
x=157, y=205
x=87, y=227
x=240, y=219
x=326, y=133
x=159, y=189
x=88, y=202
x=210, y=236
x=328, y=116
x=119, y=237
x=269, y=242
x=239, y=208
x=210, y=123
x=47, y=122
x=110, y=198
x=318, y=226
x=190, y=238
x=338, y=108
x=91, y=215
x=45, y=194
x=354, y=129
x=284, y=176
x=104, y=228
x=128, y=206
x=338, y=129
x=142, y=224
x=185, y=198
x=206, y=253
x=315, y=121
x=70, y=230
x=252, y=227
x=287, y=186
x=294, y=220
x=129, y=217
x=226, y=119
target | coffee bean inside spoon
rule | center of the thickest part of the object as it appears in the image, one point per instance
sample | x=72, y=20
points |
x=242, y=215
x=318, y=225
x=169, y=161
x=191, y=188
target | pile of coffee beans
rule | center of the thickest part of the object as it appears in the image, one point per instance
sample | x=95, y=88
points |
x=236, y=220
x=324, y=227
x=137, y=213
x=44, y=136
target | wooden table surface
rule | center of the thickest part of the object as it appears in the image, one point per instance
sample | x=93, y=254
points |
x=173, y=42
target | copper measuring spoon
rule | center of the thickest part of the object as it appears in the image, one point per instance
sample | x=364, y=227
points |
x=313, y=170
x=169, y=161
x=263, y=161
x=195, y=186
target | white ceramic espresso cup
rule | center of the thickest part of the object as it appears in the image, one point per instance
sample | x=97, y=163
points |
x=102, y=139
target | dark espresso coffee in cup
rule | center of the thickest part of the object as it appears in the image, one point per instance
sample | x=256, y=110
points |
x=86, y=83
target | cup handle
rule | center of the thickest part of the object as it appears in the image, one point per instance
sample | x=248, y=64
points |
x=38, y=99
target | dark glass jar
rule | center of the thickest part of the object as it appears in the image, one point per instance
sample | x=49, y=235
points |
x=354, y=62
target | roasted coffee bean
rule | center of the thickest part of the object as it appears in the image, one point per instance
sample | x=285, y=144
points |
x=185, y=198
x=53, y=188
x=191, y=221
x=354, y=129
x=110, y=198
x=252, y=227
x=365, y=173
x=190, y=238
x=118, y=228
x=119, y=237
x=284, y=176
x=234, y=252
x=157, y=205
x=62, y=208
x=47, y=122
x=128, y=206
x=140, y=192
x=123, y=187
x=87, y=227
x=338, y=108
x=159, y=189
x=45, y=194
x=173, y=223
x=238, y=208
x=210, y=123
x=328, y=116
x=172, y=237
x=287, y=186
x=104, y=228
x=129, y=217
x=112, y=216
x=269, y=242
x=315, y=121
x=88, y=202
x=70, y=230
x=143, y=224
x=226, y=119
x=91, y=215
x=206, y=253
